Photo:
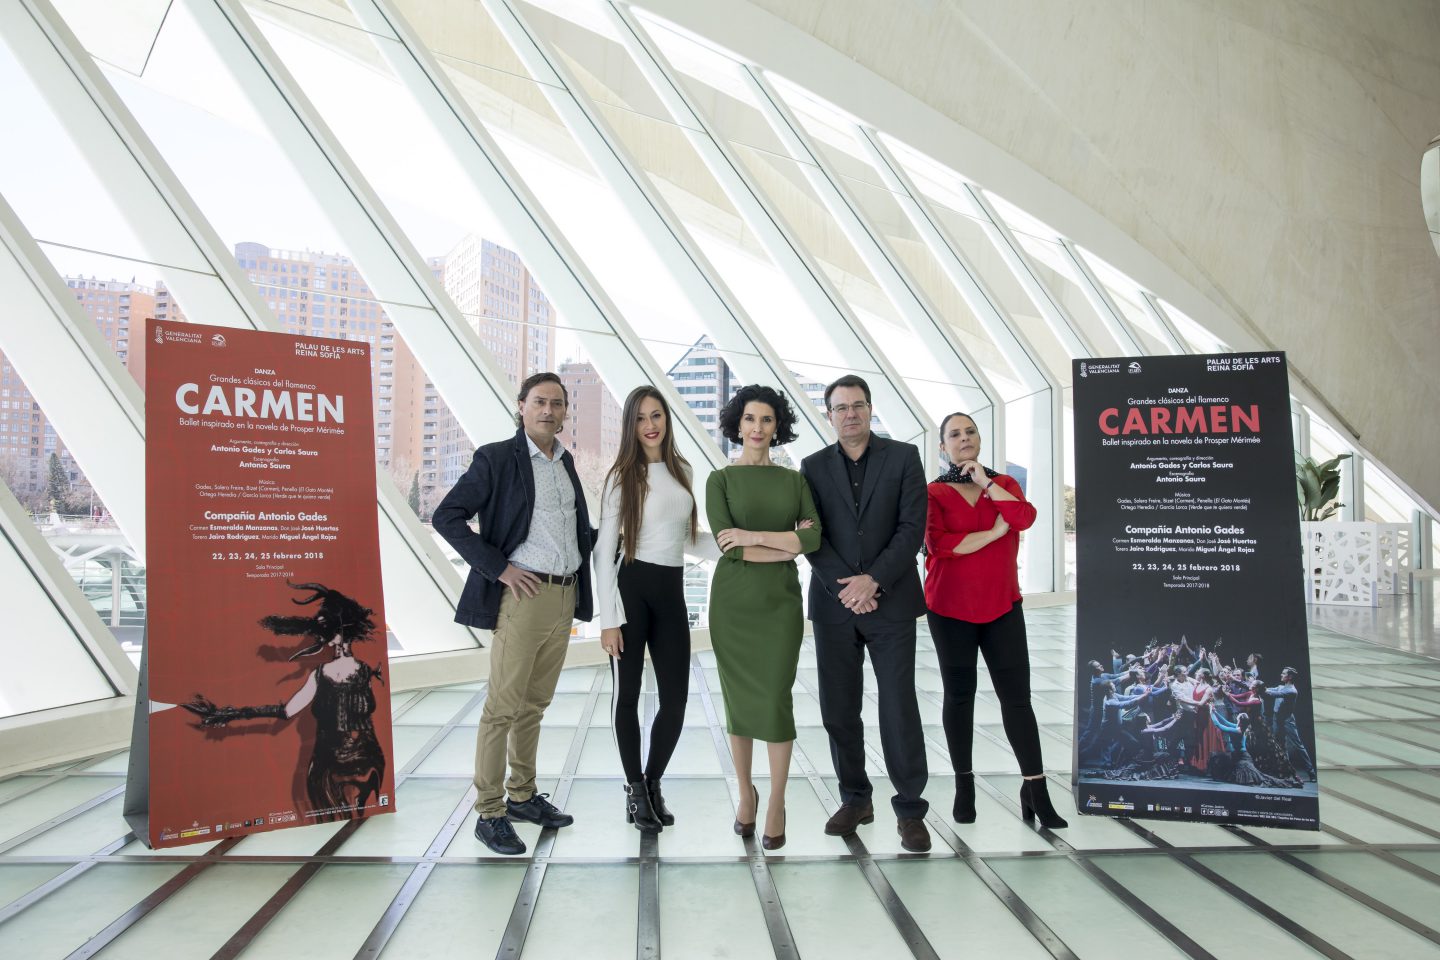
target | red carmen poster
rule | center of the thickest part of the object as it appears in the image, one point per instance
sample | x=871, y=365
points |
x=264, y=701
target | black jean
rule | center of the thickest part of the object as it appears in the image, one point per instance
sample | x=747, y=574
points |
x=840, y=661
x=1007, y=657
x=655, y=618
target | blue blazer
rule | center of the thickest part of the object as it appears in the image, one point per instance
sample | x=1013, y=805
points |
x=499, y=487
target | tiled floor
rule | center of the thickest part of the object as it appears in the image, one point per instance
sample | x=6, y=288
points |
x=73, y=882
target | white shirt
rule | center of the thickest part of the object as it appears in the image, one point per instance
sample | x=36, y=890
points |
x=551, y=545
x=664, y=530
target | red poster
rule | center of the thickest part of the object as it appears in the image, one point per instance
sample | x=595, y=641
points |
x=264, y=684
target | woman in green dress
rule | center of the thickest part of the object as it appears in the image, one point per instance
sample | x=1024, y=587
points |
x=763, y=518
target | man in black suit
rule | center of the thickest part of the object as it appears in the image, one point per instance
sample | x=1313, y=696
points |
x=865, y=594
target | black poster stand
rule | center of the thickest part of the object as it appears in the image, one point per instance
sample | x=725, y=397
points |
x=1192, y=698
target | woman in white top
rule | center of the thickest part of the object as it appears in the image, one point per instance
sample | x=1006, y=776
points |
x=647, y=516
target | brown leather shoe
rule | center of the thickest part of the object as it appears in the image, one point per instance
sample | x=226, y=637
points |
x=848, y=817
x=913, y=834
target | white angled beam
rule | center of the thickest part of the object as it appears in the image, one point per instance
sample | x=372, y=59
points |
x=736, y=337
x=920, y=316
x=1170, y=335
x=1047, y=439
x=903, y=414
x=158, y=208
x=1066, y=330
x=191, y=258
x=594, y=320
x=425, y=585
x=956, y=266
x=1105, y=307
x=53, y=636
x=1352, y=474
x=451, y=353
x=84, y=390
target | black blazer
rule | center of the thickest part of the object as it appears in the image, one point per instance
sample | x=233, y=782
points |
x=500, y=488
x=882, y=539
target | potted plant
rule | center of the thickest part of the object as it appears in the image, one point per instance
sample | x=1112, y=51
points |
x=1317, y=486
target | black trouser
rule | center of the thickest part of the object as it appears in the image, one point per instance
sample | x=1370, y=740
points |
x=840, y=658
x=655, y=617
x=1007, y=657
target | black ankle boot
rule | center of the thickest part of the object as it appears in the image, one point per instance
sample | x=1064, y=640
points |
x=1035, y=801
x=964, y=798
x=657, y=803
x=638, y=810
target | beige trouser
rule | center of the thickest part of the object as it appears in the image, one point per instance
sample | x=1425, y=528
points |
x=527, y=650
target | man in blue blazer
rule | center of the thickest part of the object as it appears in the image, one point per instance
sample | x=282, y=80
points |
x=529, y=579
x=865, y=594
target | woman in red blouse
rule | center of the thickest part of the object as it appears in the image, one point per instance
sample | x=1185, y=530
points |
x=972, y=590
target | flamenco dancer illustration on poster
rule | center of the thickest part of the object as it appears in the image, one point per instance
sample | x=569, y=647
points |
x=347, y=765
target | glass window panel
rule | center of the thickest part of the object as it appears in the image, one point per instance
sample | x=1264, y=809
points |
x=667, y=154
x=976, y=237
x=283, y=238
x=203, y=125
x=971, y=235
x=118, y=295
x=45, y=665
x=831, y=131
x=1325, y=443
x=717, y=84
x=720, y=87
x=664, y=150
x=1052, y=264
x=883, y=211
x=518, y=115
x=1385, y=502
x=582, y=36
x=463, y=33
x=933, y=179
x=1020, y=220
x=1126, y=294
x=1030, y=458
x=785, y=184
x=53, y=187
x=330, y=14
x=1200, y=339
x=119, y=32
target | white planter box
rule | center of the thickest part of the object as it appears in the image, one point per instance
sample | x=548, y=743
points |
x=1342, y=562
x=1395, y=557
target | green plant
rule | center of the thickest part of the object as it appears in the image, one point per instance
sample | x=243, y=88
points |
x=1317, y=486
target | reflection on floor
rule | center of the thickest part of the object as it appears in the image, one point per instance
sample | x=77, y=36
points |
x=417, y=884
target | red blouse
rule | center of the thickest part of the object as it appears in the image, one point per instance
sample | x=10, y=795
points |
x=976, y=587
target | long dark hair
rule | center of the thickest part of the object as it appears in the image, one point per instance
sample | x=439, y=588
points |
x=631, y=473
x=337, y=614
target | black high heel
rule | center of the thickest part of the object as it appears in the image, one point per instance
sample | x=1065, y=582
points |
x=638, y=810
x=657, y=803
x=777, y=841
x=964, y=811
x=748, y=829
x=1035, y=801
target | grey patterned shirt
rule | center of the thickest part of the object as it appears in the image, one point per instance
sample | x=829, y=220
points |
x=551, y=546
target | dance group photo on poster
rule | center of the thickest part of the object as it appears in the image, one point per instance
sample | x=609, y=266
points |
x=251, y=736
x=1177, y=714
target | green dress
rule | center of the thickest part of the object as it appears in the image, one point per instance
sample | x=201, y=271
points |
x=755, y=613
